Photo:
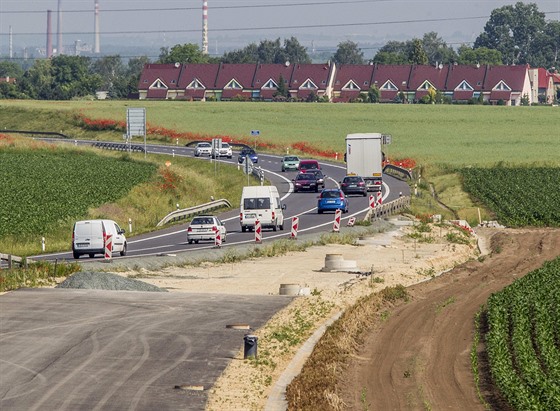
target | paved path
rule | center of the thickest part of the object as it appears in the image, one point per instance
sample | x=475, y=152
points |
x=66, y=349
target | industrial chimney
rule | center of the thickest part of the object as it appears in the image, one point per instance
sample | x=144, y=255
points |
x=96, y=28
x=204, y=26
x=48, y=52
x=59, y=30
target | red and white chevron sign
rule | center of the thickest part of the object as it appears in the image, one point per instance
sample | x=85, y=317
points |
x=258, y=231
x=379, y=198
x=351, y=222
x=295, y=225
x=336, y=225
x=371, y=202
x=108, y=246
x=218, y=238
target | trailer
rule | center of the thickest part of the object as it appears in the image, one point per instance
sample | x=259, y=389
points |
x=364, y=157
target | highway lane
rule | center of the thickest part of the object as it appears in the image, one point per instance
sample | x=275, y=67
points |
x=303, y=205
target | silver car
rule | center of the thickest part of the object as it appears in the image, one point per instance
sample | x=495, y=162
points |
x=203, y=149
x=205, y=227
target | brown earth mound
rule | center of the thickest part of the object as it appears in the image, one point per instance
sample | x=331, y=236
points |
x=419, y=358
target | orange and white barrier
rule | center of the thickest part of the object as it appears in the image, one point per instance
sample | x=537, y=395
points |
x=295, y=225
x=379, y=198
x=336, y=225
x=108, y=246
x=371, y=202
x=218, y=238
x=258, y=232
x=351, y=222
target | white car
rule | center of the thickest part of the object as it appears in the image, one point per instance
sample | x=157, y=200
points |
x=203, y=149
x=224, y=151
x=205, y=227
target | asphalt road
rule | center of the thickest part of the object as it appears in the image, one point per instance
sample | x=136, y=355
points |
x=172, y=240
x=63, y=349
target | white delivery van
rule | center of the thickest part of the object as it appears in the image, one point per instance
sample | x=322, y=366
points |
x=88, y=237
x=261, y=203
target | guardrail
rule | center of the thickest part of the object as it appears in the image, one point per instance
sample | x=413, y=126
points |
x=35, y=133
x=11, y=259
x=119, y=146
x=401, y=171
x=185, y=212
x=387, y=209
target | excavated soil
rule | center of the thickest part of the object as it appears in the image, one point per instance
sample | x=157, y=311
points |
x=419, y=358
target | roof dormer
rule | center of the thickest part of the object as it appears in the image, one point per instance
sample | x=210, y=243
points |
x=501, y=86
x=351, y=85
x=389, y=86
x=158, y=84
x=233, y=84
x=309, y=85
x=195, y=84
x=270, y=84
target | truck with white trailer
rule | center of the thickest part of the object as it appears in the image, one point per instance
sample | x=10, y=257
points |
x=364, y=157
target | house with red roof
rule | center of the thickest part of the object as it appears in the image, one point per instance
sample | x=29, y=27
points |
x=159, y=81
x=268, y=77
x=392, y=82
x=507, y=85
x=197, y=81
x=464, y=82
x=422, y=79
x=235, y=81
x=308, y=79
x=350, y=81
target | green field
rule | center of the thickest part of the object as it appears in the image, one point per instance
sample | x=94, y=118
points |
x=431, y=134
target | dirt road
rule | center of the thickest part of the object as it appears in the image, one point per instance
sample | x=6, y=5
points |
x=419, y=359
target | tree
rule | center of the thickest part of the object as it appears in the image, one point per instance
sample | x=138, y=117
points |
x=348, y=52
x=437, y=50
x=37, y=82
x=281, y=90
x=481, y=55
x=417, y=54
x=512, y=30
x=112, y=72
x=182, y=53
x=10, y=69
x=373, y=94
x=269, y=51
x=394, y=52
x=71, y=77
x=295, y=52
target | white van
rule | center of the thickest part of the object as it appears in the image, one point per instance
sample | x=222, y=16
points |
x=261, y=203
x=88, y=237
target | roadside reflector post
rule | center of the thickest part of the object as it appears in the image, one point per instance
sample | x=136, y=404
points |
x=258, y=233
x=336, y=224
x=130, y=225
x=295, y=224
x=108, y=247
x=43, y=243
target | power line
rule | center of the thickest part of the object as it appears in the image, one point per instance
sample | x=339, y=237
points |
x=254, y=6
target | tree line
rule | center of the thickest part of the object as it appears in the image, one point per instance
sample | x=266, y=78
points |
x=514, y=34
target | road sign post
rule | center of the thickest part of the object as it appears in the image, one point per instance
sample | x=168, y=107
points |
x=295, y=225
x=258, y=233
x=255, y=133
x=336, y=224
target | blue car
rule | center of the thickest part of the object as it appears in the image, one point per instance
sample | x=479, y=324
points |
x=332, y=199
x=247, y=152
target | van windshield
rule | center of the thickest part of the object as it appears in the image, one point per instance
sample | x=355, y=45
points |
x=259, y=203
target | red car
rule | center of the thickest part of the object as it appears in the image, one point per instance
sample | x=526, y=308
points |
x=305, y=182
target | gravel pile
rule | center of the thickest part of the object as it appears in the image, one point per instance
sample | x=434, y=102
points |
x=105, y=281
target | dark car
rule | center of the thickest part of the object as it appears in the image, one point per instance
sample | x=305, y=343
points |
x=319, y=175
x=353, y=185
x=332, y=199
x=305, y=182
x=247, y=151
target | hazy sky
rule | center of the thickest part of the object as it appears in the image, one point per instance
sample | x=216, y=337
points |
x=317, y=24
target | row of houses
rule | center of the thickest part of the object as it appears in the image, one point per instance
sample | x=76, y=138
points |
x=344, y=83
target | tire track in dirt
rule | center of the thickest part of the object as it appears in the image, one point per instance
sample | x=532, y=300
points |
x=419, y=358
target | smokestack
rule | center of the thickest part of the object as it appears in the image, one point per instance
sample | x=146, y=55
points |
x=11, y=53
x=96, y=28
x=59, y=30
x=204, y=27
x=49, y=35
